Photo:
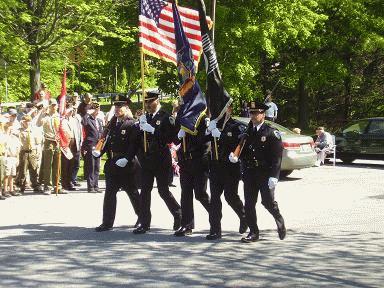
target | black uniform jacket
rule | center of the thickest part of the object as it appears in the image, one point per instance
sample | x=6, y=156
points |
x=262, y=150
x=121, y=143
x=157, y=143
x=229, y=139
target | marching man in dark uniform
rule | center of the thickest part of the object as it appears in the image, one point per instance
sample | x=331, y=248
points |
x=156, y=161
x=224, y=176
x=261, y=159
x=120, y=146
x=193, y=158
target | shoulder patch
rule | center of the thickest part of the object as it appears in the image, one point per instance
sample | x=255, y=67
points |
x=277, y=134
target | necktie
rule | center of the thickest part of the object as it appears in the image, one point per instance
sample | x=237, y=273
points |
x=150, y=116
x=29, y=141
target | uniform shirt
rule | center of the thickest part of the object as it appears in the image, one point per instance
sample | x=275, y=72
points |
x=50, y=124
x=263, y=148
x=12, y=146
x=272, y=110
x=34, y=136
x=228, y=140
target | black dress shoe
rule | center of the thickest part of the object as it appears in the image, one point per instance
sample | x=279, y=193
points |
x=71, y=188
x=103, y=228
x=97, y=190
x=183, y=231
x=137, y=224
x=176, y=223
x=243, y=226
x=141, y=230
x=251, y=237
x=213, y=236
x=77, y=184
x=281, y=230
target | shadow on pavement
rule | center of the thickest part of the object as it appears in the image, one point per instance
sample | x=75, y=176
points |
x=38, y=255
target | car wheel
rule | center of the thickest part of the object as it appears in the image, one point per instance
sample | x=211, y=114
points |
x=347, y=160
x=285, y=173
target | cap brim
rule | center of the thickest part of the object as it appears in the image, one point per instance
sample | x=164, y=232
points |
x=120, y=103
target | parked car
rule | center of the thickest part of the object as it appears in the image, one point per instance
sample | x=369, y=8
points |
x=361, y=139
x=299, y=151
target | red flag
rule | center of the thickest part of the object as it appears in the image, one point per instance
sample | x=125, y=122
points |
x=64, y=134
x=157, y=30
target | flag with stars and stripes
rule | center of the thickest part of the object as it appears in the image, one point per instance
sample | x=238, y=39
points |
x=157, y=30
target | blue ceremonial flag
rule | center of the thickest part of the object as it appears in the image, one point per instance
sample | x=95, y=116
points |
x=193, y=105
x=217, y=97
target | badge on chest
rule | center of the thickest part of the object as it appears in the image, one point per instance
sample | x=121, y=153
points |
x=123, y=132
x=263, y=139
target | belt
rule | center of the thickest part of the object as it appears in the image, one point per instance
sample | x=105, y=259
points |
x=190, y=155
x=116, y=154
x=29, y=150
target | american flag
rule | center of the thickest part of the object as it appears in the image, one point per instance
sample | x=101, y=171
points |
x=157, y=30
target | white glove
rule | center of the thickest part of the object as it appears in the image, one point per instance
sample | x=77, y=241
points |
x=143, y=119
x=181, y=134
x=216, y=133
x=272, y=182
x=212, y=125
x=147, y=127
x=122, y=162
x=95, y=153
x=232, y=158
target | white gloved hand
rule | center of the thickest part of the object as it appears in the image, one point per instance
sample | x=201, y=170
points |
x=272, y=182
x=212, y=125
x=122, y=162
x=181, y=134
x=147, y=127
x=143, y=119
x=95, y=153
x=216, y=133
x=232, y=158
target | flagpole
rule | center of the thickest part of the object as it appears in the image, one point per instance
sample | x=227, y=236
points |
x=143, y=92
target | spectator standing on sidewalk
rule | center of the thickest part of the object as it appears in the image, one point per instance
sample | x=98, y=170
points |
x=271, y=113
x=93, y=132
x=30, y=141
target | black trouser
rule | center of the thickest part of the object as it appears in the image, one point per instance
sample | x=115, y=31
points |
x=67, y=166
x=156, y=167
x=76, y=166
x=116, y=178
x=193, y=177
x=224, y=177
x=91, y=170
x=255, y=180
x=28, y=162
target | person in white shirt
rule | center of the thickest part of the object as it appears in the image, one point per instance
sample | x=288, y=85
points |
x=323, y=142
x=271, y=113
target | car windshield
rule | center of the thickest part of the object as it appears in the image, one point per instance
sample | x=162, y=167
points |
x=357, y=127
x=376, y=127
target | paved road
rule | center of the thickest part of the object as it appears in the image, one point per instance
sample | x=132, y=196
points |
x=335, y=239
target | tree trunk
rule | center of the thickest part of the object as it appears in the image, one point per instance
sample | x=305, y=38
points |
x=34, y=72
x=347, y=97
x=303, y=104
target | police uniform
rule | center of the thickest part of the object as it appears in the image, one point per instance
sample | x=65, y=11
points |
x=156, y=163
x=93, y=128
x=224, y=176
x=193, y=164
x=120, y=144
x=261, y=159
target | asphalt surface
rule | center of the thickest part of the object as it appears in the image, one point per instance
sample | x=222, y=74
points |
x=334, y=217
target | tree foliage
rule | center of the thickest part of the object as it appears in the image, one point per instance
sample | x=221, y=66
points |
x=327, y=56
